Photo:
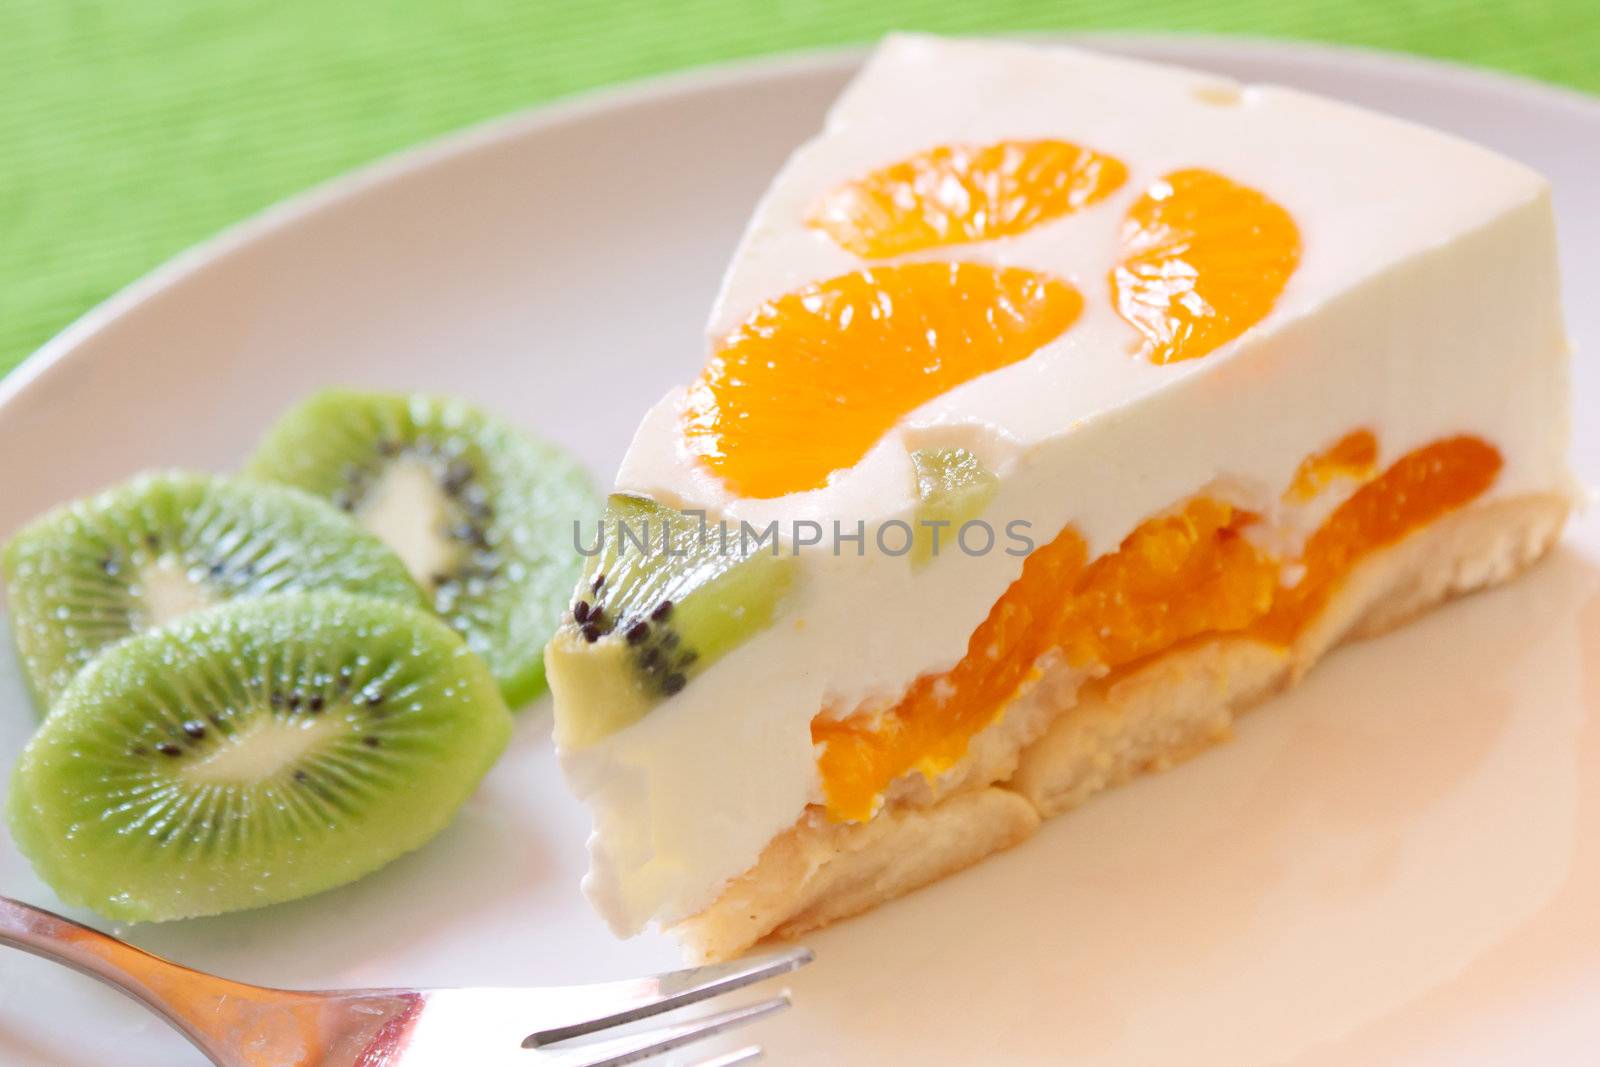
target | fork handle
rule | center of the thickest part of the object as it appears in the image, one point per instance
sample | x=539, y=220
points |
x=214, y=1013
x=178, y=994
x=234, y=1024
x=117, y=963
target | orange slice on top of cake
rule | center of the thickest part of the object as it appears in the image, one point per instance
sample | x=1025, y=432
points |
x=1057, y=409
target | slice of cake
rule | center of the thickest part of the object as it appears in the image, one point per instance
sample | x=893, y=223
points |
x=1058, y=409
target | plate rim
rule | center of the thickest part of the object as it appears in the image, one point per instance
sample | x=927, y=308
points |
x=65, y=356
x=577, y=107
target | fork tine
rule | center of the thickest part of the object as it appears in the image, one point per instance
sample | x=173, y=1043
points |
x=618, y=1052
x=735, y=1059
x=677, y=989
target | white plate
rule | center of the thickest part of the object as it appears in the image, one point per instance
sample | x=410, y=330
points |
x=1400, y=860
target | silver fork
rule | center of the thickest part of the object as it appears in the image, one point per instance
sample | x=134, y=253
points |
x=240, y=1025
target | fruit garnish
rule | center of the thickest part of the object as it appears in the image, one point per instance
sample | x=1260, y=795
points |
x=1354, y=456
x=1203, y=259
x=813, y=379
x=957, y=194
x=481, y=513
x=87, y=575
x=953, y=487
x=663, y=598
x=259, y=752
x=1176, y=577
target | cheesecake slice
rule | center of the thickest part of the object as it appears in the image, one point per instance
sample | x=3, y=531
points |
x=1057, y=409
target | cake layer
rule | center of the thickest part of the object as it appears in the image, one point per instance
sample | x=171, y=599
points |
x=1067, y=741
x=1418, y=304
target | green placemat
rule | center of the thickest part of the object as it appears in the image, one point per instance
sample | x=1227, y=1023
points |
x=130, y=129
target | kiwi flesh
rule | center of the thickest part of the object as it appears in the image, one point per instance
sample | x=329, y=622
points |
x=646, y=620
x=166, y=544
x=265, y=750
x=481, y=514
x=953, y=487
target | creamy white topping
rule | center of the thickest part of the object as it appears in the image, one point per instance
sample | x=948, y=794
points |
x=1424, y=306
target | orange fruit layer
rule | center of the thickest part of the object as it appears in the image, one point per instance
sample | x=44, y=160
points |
x=1203, y=259
x=811, y=381
x=955, y=194
x=1417, y=489
x=930, y=726
x=1355, y=455
x=1176, y=577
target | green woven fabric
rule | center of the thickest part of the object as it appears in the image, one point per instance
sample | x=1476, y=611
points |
x=130, y=129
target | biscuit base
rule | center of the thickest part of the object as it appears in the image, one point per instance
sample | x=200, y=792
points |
x=1061, y=742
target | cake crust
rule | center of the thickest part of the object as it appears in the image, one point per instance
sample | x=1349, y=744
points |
x=1067, y=741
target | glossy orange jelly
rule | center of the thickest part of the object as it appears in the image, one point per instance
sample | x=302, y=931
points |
x=1176, y=577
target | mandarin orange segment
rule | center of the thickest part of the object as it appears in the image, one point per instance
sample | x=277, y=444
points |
x=930, y=726
x=1353, y=456
x=1203, y=259
x=956, y=194
x=1173, y=577
x=1177, y=577
x=812, y=380
x=1417, y=489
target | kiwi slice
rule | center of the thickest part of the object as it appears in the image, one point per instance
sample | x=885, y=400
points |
x=481, y=514
x=133, y=558
x=953, y=487
x=645, y=621
x=263, y=751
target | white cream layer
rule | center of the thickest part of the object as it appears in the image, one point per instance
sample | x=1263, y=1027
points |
x=1425, y=305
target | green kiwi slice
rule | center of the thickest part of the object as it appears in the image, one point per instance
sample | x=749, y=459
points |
x=953, y=487
x=133, y=558
x=481, y=514
x=262, y=751
x=646, y=620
